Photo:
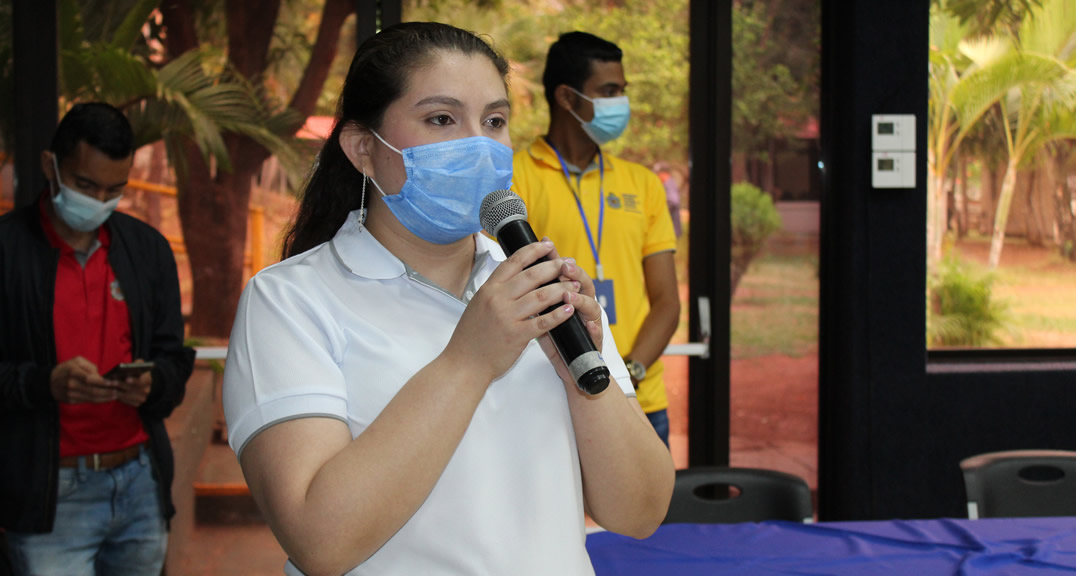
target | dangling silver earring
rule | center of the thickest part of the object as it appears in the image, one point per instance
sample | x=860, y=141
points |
x=363, y=199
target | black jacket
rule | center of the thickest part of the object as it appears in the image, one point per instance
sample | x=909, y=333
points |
x=29, y=416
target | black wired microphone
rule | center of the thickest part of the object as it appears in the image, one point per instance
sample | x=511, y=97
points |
x=502, y=213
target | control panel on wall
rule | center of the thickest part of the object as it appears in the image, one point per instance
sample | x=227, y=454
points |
x=893, y=150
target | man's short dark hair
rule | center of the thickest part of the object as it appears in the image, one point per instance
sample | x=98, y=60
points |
x=570, y=58
x=99, y=125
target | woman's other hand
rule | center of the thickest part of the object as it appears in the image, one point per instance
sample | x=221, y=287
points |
x=508, y=310
x=584, y=302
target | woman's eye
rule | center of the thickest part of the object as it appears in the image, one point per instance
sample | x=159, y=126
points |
x=496, y=122
x=441, y=120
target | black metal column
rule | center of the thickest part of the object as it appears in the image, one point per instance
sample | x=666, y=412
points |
x=35, y=53
x=374, y=15
x=710, y=229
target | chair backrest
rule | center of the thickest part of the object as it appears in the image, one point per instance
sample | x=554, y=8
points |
x=702, y=496
x=1020, y=483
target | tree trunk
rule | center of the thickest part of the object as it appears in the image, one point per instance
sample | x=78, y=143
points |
x=768, y=168
x=1066, y=222
x=987, y=193
x=158, y=162
x=1033, y=223
x=1001, y=217
x=931, y=217
x=952, y=207
x=960, y=192
x=214, y=210
x=738, y=168
x=214, y=223
x=1064, y=192
x=935, y=218
x=755, y=172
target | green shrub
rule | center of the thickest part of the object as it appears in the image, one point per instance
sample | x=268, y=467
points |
x=753, y=219
x=962, y=309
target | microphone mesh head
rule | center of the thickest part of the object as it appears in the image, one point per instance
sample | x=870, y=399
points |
x=500, y=207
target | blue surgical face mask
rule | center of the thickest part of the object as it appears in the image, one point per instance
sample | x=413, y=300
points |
x=445, y=183
x=78, y=210
x=610, y=118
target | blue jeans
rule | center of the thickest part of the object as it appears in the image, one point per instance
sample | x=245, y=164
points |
x=659, y=421
x=107, y=522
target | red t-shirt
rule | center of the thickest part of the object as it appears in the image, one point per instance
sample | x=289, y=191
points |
x=90, y=319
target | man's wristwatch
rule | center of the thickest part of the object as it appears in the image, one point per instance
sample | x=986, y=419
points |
x=636, y=369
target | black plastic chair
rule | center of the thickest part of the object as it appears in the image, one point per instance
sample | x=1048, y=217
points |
x=733, y=495
x=1020, y=483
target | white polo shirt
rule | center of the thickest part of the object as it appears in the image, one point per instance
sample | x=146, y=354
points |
x=338, y=330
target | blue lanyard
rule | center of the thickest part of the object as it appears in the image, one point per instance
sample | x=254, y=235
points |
x=595, y=246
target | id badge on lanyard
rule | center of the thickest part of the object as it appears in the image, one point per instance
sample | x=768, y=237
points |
x=605, y=287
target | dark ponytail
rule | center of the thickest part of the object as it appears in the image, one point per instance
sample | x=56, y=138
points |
x=377, y=76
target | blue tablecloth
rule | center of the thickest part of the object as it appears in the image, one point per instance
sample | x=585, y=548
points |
x=1013, y=546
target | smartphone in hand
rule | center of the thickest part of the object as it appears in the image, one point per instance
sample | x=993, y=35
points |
x=128, y=370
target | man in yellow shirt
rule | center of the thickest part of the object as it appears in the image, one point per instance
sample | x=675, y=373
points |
x=609, y=214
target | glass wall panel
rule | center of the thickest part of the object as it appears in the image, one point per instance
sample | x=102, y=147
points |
x=1001, y=195
x=775, y=217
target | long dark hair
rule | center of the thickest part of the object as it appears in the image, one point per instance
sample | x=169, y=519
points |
x=377, y=76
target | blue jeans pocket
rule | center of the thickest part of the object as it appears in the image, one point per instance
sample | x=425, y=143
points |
x=67, y=483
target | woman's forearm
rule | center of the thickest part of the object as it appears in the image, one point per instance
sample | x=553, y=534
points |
x=627, y=472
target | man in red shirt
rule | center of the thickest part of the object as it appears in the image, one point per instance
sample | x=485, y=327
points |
x=87, y=459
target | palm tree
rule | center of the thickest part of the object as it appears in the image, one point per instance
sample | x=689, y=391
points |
x=176, y=102
x=1042, y=109
x=960, y=95
x=968, y=77
x=211, y=107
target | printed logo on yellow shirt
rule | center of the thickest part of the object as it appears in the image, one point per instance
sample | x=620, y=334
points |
x=627, y=202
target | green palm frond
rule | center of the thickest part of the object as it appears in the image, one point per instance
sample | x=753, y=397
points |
x=192, y=98
x=106, y=73
x=198, y=106
x=1051, y=123
x=984, y=87
x=1051, y=30
x=946, y=32
x=106, y=21
x=69, y=25
x=983, y=51
x=130, y=29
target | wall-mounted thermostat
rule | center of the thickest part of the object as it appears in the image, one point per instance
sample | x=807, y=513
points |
x=892, y=140
x=893, y=170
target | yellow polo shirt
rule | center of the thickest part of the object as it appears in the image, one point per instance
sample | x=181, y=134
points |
x=637, y=224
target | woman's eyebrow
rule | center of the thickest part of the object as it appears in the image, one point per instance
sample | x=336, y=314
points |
x=502, y=103
x=445, y=100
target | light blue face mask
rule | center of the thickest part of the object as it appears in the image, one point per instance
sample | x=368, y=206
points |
x=78, y=210
x=445, y=183
x=610, y=118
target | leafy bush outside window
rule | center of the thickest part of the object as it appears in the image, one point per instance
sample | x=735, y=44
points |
x=963, y=312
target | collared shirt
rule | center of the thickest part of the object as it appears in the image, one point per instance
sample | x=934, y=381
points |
x=90, y=319
x=637, y=224
x=338, y=330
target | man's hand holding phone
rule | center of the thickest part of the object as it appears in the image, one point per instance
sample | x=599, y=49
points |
x=132, y=382
x=76, y=381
